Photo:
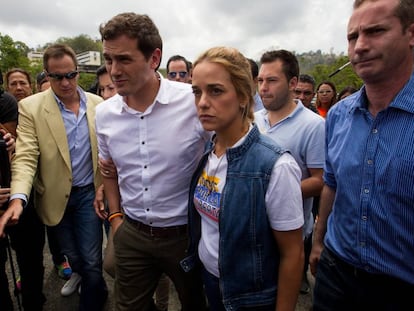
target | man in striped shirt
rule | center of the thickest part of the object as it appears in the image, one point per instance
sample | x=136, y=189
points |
x=363, y=249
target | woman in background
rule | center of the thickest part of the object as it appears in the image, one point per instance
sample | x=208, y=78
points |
x=325, y=97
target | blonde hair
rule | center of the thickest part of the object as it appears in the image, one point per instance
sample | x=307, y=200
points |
x=240, y=74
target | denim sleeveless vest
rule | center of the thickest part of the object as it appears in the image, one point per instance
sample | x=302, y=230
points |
x=248, y=255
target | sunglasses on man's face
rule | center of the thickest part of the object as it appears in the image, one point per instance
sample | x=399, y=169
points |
x=60, y=76
x=173, y=74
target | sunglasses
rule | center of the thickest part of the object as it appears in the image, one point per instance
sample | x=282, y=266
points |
x=60, y=76
x=173, y=74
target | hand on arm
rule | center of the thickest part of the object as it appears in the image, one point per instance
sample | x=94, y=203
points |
x=325, y=208
x=107, y=168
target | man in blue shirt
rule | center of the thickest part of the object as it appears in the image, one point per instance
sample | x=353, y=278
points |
x=363, y=250
x=294, y=127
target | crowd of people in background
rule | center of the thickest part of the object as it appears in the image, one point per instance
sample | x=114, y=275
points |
x=228, y=178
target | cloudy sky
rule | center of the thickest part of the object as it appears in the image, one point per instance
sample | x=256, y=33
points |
x=188, y=27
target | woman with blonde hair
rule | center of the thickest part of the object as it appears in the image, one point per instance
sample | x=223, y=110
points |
x=245, y=206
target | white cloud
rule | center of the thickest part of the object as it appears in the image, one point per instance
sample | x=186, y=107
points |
x=188, y=27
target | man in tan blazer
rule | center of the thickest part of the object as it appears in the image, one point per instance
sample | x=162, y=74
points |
x=56, y=153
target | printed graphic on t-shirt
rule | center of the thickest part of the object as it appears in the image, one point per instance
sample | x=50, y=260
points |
x=207, y=196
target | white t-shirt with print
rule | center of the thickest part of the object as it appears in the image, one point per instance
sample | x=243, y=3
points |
x=283, y=202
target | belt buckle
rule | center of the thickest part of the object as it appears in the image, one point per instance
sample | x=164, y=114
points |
x=151, y=232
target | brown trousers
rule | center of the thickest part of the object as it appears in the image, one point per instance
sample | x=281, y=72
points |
x=141, y=259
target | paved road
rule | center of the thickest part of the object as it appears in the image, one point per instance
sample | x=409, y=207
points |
x=55, y=302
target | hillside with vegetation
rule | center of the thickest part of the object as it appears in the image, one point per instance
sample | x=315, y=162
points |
x=322, y=65
x=317, y=64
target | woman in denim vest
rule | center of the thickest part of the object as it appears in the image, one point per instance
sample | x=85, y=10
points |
x=245, y=206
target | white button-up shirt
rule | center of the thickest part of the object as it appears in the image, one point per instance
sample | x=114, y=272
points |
x=155, y=152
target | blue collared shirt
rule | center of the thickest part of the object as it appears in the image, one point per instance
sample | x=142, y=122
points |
x=370, y=163
x=302, y=132
x=77, y=133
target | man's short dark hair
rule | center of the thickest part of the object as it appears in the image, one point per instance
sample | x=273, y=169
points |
x=289, y=61
x=175, y=58
x=134, y=26
x=101, y=71
x=304, y=78
x=58, y=51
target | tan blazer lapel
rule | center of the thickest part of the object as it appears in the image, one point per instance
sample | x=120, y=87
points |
x=90, y=113
x=57, y=128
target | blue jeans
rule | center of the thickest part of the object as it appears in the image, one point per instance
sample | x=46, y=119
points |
x=54, y=246
x=212, y=289
x=80, y=238
x=215, y=300
x=339, y=286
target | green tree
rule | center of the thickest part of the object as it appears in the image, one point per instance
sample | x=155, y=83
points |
x=13, y=54
x=81, y=43
x=86, y=80
x=322, y=65
x=343, y=78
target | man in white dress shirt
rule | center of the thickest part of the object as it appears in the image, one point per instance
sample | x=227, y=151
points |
x=151, y=132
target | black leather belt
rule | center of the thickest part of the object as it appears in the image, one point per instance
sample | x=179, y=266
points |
x=158, y=232
x=82, y=188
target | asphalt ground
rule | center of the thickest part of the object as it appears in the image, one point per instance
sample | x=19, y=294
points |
x=56, y=302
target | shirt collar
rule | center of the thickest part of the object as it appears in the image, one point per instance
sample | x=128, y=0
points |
x=299, y=107
x=82, y=98
x=162, y=96
x=403, y=100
